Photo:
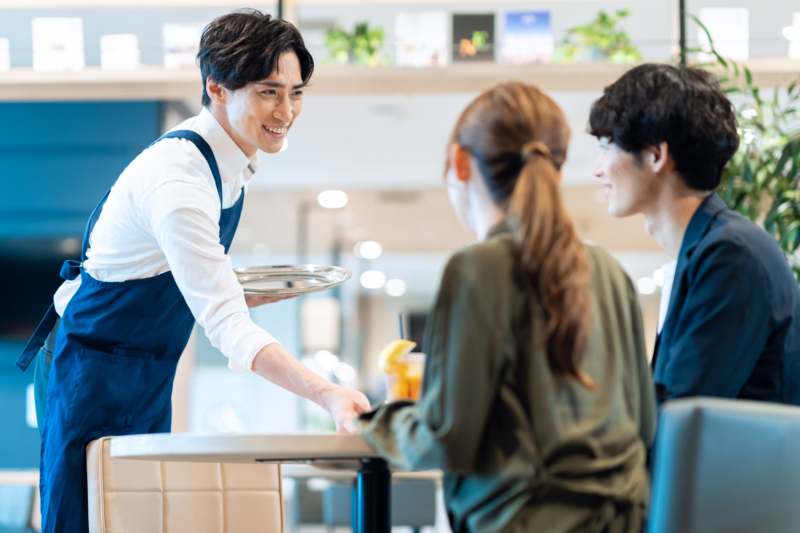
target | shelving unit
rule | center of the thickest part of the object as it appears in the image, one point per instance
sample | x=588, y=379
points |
x=158, y=83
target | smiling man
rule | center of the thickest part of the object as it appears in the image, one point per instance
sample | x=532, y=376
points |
x=732, y=328
x=154, y=261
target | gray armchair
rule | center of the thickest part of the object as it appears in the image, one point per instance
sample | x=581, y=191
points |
x=726, y=466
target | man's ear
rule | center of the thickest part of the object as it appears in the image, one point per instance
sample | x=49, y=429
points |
x=461, y=161
x=657, y=156
x=217, y=93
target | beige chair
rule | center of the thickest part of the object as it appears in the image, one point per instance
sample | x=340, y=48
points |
x=132, y=496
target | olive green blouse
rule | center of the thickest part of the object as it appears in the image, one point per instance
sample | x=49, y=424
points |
x=524, y=450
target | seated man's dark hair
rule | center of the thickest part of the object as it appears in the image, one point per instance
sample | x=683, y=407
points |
x=684, y=107
x=245, y=46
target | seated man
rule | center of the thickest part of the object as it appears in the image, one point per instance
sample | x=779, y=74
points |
x=733, y=325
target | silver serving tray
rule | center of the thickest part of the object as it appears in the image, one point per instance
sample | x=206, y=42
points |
x=290, y=280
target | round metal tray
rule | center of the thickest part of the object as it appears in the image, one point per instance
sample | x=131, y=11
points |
x=290, y=280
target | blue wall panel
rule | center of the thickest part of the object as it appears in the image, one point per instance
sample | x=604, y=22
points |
x=58, y=159
x=19, y=443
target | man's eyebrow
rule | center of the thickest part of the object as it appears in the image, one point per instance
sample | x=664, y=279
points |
x=280, y=85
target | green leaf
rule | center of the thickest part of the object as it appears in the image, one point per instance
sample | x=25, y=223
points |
x=747, y=172
x=790, y=239
x=748, y=76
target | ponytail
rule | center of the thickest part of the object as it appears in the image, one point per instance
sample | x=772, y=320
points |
x=519, y=137
x=552, y=255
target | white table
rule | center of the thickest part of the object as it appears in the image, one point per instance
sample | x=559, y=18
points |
x=326, y=451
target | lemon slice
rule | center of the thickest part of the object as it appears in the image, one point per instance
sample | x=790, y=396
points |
x=392, y=353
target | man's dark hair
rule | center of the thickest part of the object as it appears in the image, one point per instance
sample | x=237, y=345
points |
x=245, y=46
x=684, y=107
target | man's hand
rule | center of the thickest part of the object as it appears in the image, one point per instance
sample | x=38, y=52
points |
x=344, y=405
x=255, y=301
x=275, y=364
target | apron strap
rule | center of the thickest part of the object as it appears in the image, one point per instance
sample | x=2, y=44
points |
x=89, y=227
x=208, y=154
x=71, y=269
x=39, y=336
x=204, y=148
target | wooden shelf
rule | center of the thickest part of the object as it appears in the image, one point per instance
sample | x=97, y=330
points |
x=93, y=83
x=158, y=83
x=70, y=4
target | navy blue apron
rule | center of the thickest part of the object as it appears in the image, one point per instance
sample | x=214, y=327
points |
x=116, y=351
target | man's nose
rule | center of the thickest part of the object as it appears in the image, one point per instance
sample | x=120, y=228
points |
x=283, y=111
x=598, y=169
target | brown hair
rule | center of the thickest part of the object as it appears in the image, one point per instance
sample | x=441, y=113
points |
x=519, y=138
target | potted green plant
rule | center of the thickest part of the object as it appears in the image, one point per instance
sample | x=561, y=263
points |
x=362, y=47
x=762, y=180
x=599, y=40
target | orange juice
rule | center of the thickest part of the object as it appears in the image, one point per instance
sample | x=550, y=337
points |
x=406, y=382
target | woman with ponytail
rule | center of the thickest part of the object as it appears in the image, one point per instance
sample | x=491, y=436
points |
x=537, y=399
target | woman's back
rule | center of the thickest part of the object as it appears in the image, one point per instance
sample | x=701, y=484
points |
x=523, y=449
x=537, y=400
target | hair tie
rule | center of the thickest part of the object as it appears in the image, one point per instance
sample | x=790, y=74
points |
x=535, y=147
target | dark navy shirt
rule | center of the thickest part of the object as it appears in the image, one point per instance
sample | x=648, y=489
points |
x=733, y=325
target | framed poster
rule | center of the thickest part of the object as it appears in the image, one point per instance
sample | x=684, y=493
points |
x=473, y=37
x=528, y=38
x=420, y=39
x=57, y=43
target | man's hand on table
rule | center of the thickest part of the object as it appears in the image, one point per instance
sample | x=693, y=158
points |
x=344, y=405
x=277, y=365
x=255, y=301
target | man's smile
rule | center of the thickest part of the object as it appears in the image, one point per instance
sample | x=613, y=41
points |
x=276, y=132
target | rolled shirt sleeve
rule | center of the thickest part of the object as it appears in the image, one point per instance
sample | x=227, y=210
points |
x=181, y=217
x=463, y=341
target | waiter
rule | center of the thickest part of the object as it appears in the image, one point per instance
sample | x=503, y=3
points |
x=154, y=260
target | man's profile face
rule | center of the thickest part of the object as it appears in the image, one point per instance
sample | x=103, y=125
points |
x=262, y=112
x=628, y=185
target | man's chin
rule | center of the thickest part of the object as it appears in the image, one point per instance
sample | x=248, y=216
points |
x=272, y=147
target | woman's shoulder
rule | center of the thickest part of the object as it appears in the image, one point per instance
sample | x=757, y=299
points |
x=482, y=258
x=606, y=272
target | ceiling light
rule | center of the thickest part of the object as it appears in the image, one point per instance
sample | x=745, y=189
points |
x=332, y=199
x=658, y=277
x=326, y=360
x=345, y=373
x=370, y=250
x=646, y=285
x=373, y=279
x=395, y=287
x=791, y=33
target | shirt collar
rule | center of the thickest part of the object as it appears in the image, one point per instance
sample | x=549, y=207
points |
x=230, y=158
x=499, y=230
x=701, y=219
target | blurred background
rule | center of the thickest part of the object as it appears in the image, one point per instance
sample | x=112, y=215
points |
x=87, y=85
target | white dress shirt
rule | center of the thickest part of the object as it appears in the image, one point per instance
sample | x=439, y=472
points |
x=666, y=291
x=163, y=215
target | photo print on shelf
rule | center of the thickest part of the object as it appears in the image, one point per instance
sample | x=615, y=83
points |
x=57, y=44
x=729, y=28
x=5, y=55
x=182, y=43
x=420, y=39
x=473, y=37
x=528, y=38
